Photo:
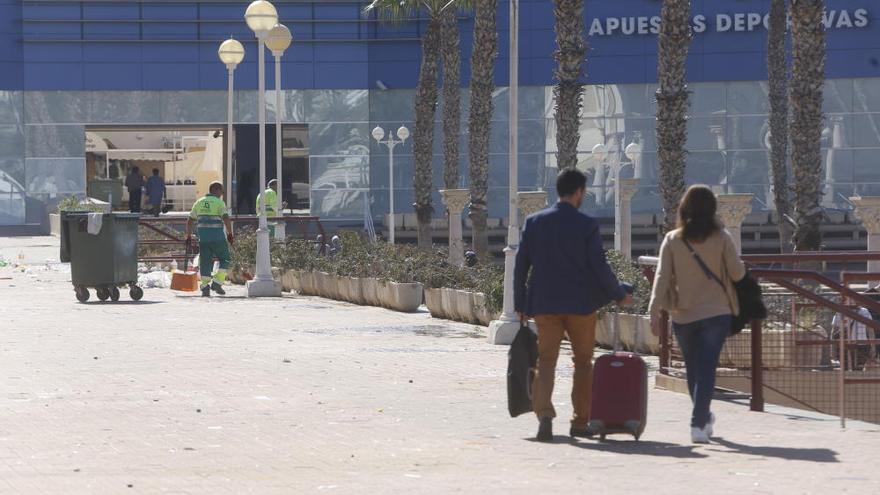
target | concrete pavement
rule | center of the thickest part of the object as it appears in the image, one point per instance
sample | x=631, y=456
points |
x=303, y=395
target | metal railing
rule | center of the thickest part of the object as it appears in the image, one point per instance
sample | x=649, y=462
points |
x=164, y=228
x=791, y=355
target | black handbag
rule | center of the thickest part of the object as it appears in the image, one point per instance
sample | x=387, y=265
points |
x=522, y=359
x=748, y=294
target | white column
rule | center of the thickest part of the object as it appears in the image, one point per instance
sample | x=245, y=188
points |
x=868, y=211
x=733, y=209
x=504, y=330
x=455, y=201
x=624, y=190
x=263, y=285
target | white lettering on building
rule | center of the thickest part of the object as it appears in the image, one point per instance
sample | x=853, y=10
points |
x=739, y=22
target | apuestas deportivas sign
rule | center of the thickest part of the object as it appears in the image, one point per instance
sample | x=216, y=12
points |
x=720, y=23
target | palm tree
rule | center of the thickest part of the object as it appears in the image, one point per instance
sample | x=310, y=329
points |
x=807, y=79
x=426, y=99
x=672, y=103
x=485, y=50
x=569, y=55
x=451, y=51
x=777, y=75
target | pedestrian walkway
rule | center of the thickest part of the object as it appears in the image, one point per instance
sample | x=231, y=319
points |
x=303, y=395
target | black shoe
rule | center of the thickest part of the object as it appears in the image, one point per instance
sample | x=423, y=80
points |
x=545, y=430
x=206, y=291
x=580, y=432
x=218, y=288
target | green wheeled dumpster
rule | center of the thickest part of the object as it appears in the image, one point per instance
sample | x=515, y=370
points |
x=102, y=253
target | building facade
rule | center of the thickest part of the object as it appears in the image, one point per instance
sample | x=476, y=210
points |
x=71, y=69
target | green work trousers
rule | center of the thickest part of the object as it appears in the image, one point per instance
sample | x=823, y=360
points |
x=207, y=251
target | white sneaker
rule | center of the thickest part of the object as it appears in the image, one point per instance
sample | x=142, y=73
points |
x=710, y=426
x=698, y=435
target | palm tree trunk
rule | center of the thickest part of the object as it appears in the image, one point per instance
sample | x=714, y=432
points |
x=423, y=135
x=485, y=50
x=807, y=79
x=569, y=55
x=672, y=104
x=451, y=52
x=777, y=75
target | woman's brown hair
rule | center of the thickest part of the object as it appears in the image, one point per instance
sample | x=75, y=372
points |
x=696, y=214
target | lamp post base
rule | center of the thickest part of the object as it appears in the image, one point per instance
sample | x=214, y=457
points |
x=502, y=332
x=263, y=288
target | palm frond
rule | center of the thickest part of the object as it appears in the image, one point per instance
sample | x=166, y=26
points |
x=392, y=11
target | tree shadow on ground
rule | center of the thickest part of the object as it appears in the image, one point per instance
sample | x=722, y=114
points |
x=787, y=453
x=632, y=447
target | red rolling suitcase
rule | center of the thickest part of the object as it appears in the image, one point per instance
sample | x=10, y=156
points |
x=620, y=395
x=620, y=392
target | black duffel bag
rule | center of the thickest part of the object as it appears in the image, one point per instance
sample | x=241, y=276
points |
x=522, y=359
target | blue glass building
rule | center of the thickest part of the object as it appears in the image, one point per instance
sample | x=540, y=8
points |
x=68, y=67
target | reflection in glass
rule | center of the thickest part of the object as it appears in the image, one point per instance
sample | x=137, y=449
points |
x=12, y=200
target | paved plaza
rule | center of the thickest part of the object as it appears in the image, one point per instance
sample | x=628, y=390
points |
x=179, y=394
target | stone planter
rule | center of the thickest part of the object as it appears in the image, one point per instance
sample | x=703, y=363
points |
x=356, y=290
x=484, y=316
x=324, y=284
x=458, y=305
x=307, y=283
x=55, y=224
x=370, y=290
x=386, y=296
x=287, y=280
x=450, y=310
x=335, y=288
x=296, y=277
x=434, y=301
x=405, y=297
x=634, y=332
x=464, y=306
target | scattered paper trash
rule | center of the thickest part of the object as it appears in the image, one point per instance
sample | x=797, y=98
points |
x=155, y=280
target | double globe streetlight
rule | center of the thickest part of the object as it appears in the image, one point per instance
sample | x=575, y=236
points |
x=402, y=134
x=262, y=18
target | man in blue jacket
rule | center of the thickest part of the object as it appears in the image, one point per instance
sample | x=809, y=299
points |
x=570, y=280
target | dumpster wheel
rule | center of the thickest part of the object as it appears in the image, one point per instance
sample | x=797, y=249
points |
x=82, y=294
x=114, y=294
x=103, y=293
x=136, y=293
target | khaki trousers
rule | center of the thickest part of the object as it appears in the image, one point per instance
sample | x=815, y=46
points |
x=581, y=330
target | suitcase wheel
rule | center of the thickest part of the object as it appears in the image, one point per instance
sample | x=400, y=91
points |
x=634, y=427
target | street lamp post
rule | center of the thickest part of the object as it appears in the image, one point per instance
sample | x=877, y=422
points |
x=278, y=41
x=503, y=331
x=261, y=17
x=231, y=53
x=402, y=133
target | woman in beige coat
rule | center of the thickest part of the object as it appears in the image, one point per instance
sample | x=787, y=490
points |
x=694, y=283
